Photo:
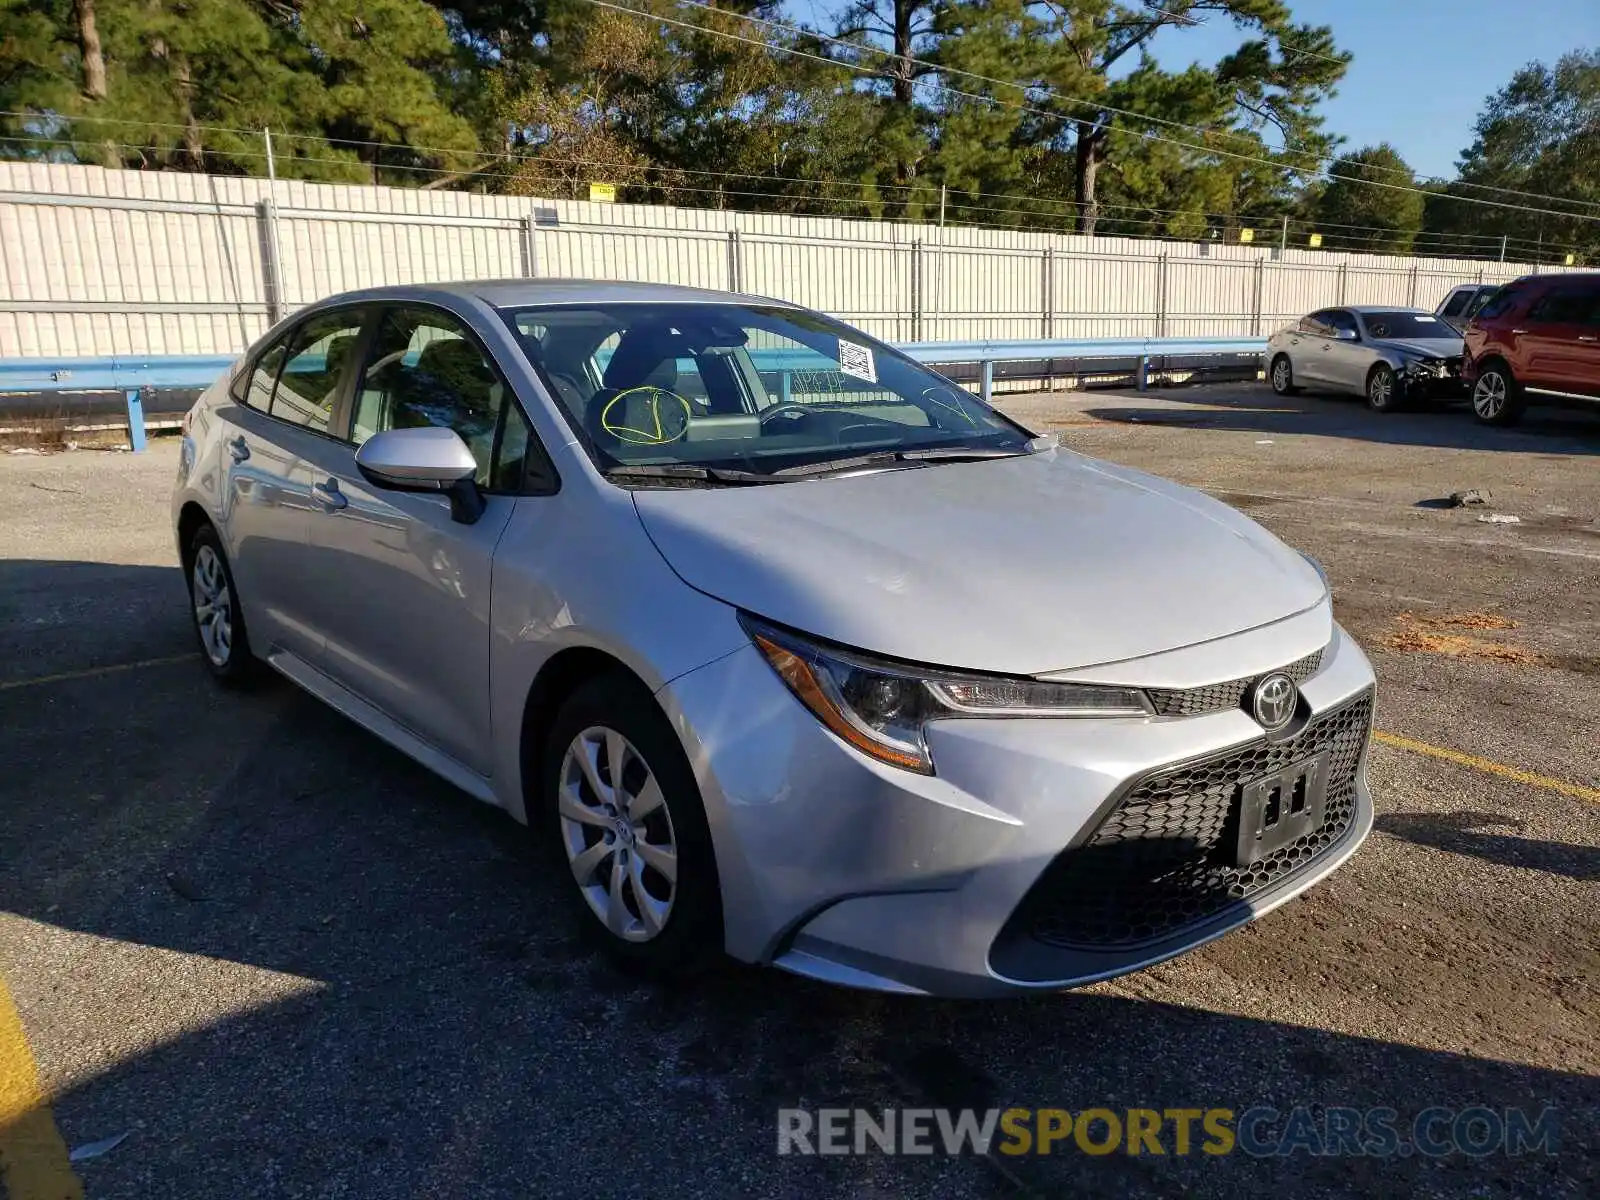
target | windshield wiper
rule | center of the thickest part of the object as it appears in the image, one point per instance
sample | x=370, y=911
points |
x=688, y=473
x=957, y=454
x=888, y=460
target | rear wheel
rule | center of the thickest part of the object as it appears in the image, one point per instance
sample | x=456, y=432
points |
x=1383, y=389
x=1281, y=374
x=626, y=812
x=1496, y=398
x=214, y=605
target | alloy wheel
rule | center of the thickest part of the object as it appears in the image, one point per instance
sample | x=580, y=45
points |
x=617, y=832
x=1489, y=396
x=213, y=606
x=1280, y=375
x=1380, y=390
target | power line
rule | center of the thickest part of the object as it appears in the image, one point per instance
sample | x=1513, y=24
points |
x=1149, y=215
x=1029, y=89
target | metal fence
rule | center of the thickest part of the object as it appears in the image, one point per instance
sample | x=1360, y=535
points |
x=98, y=262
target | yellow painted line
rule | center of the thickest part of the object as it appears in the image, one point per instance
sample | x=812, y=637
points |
x=1489, y=766
x=33, y=1158
x=96, y=672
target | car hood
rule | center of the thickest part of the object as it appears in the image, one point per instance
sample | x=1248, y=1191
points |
x=1028, y=565
x=1439, y=347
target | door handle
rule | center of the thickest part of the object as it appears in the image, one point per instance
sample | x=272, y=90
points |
x=328, y=495
x=1588, y=337
x=239, y=449
x=1519, y=331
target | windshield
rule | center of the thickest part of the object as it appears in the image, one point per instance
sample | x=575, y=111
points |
x=745, y=387
x=1406, y=325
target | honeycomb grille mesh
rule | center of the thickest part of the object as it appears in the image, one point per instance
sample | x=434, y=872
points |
x=1164, y=857
x=1214, y=697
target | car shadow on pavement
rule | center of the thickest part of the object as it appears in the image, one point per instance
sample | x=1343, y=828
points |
x=1464, y=833
x=292, y=962
x=1256, y=409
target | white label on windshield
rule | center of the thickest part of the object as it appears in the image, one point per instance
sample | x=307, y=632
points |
x=1420, y=317
x=857, y=361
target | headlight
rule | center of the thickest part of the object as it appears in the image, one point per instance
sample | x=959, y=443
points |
x=1425, y=366
x=881, y=708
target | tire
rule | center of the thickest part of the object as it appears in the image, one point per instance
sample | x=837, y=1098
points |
x=1281, y=375
x=664, y=927
x=215, y=612
x=1384, y=390
x=1497, y=398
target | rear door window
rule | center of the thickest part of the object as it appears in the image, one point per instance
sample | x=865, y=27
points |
x=254, y=385
x=321, y=351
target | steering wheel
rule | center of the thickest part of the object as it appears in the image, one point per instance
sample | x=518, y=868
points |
x=667, y=416
x=790, y=411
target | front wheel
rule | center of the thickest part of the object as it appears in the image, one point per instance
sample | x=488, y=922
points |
x=629, y=822
x=1496, y=398
x=1383, y=389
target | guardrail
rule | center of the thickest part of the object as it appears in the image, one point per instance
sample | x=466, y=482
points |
x=1141, y=350
x=132, y=375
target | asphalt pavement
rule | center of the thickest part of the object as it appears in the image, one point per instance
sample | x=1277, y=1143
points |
x=286, y=961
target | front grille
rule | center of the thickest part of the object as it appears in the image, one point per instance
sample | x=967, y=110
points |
x=1164, y=857
x=1189, y=702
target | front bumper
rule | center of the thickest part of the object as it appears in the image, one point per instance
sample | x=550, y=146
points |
x=838, y=867
x=1424, y=385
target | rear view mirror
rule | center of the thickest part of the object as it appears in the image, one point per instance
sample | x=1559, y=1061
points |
x=1346, y=335
x=426, y=459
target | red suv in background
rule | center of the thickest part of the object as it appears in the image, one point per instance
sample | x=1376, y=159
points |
x=1536, y=342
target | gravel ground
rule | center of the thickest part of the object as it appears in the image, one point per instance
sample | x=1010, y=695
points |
x=291, y=963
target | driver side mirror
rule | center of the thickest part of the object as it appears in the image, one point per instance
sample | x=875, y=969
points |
x=425, y=459
x=1346, y=335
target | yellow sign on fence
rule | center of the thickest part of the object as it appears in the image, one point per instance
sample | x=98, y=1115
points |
x=1247, y=235
x=1314, y=241
x=603, y=193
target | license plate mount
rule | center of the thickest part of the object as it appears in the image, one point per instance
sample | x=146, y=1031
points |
x=1276, y=809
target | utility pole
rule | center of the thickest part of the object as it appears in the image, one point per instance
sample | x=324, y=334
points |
x=941, y=205
x=1283, y=235
x=1502, y=247
x=272, y=167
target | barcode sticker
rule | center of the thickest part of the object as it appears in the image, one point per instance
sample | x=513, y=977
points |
x=857, y=361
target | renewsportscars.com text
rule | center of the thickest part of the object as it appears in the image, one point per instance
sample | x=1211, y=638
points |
x=1260, y=1131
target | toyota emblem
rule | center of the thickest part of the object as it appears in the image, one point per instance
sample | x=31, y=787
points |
x=1273, y=701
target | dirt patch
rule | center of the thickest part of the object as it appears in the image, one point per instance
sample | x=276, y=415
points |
x=1434, y=635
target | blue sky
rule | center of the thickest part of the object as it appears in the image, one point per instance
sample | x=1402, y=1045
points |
x=1422, y=69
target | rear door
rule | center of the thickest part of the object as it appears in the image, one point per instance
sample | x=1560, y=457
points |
x=1557, y=343
x=1345, y=357
x=1309, y=346
x=405, y=606
x=273, y=430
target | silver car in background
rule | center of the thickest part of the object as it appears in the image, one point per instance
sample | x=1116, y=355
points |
x=789, y=647
x=1391, y=356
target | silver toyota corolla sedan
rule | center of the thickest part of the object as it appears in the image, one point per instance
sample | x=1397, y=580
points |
x=1391, y=356
x=790, y=647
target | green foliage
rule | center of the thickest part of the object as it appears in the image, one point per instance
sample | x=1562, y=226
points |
x=1540, y=134
x=1040, y=114
x=1361, y=208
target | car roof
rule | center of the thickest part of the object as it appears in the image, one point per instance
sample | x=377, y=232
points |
x=1383, y=308
x=514, y=293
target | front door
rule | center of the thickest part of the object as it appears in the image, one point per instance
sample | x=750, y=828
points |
x=406, y=598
